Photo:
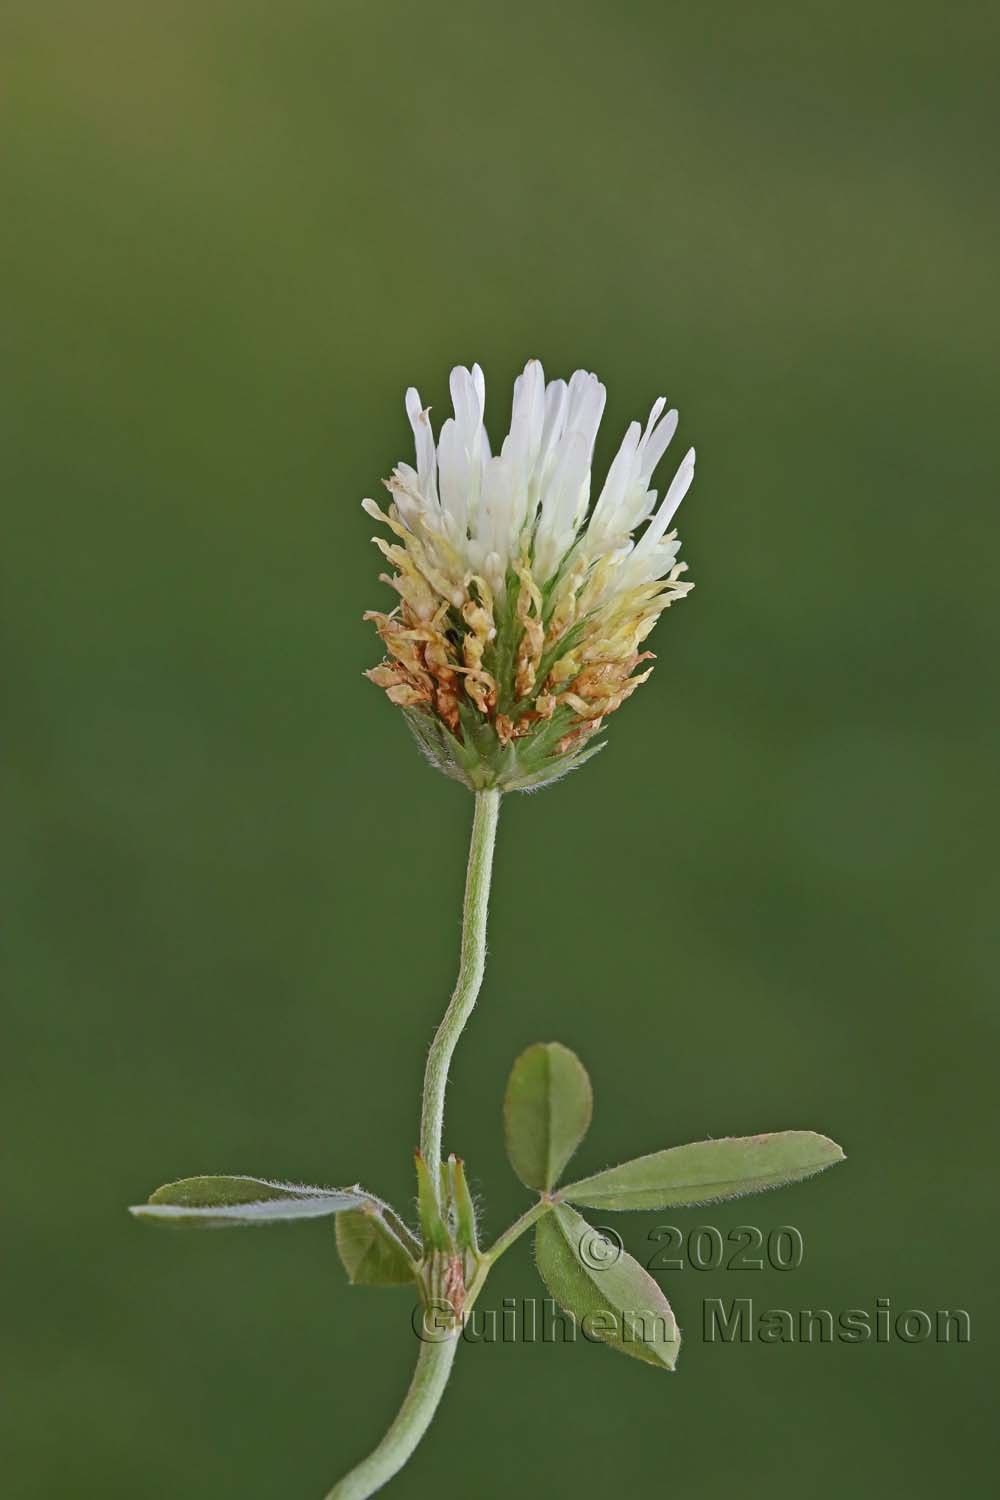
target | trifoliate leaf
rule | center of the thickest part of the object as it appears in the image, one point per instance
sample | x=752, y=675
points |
x=546, y=1112
x=707, y=1170
x=612, y=1298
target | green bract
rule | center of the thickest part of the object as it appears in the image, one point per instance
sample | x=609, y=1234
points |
x=478, y=760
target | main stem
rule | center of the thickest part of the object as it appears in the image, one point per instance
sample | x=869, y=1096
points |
x=470, y=977
x=434, y=1364
x=436, y=1358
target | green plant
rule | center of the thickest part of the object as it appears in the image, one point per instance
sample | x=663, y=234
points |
x=518, y=632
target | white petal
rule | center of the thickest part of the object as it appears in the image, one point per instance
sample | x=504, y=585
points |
x=454, y=478
x=520, y=447
x=563, y=505
x=424, y=435
x=586, y=407
x=679, y=487
x=656, y=441
x=462, y=448
x=468, y=397
x=608, y=518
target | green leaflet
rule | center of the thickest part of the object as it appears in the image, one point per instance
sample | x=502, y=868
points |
x=371, y=1253
x=220, y=1202
x=546, y=1112
x=707, y=1170
x=616, y=1301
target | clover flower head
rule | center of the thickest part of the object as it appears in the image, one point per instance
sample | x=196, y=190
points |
x=523, y=609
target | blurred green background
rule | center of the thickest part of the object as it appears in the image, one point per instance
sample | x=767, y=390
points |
x=234, y=233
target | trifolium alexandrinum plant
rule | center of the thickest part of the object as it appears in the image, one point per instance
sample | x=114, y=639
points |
x=522, y=615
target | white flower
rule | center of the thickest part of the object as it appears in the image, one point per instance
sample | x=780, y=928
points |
x=521, y=613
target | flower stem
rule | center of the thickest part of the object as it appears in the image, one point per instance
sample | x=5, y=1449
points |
x=435, y=1359
x=470, y=977
x=434, y=1364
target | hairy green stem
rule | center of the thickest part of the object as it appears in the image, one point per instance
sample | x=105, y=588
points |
x=434, y=1364
x=435, y=1359
x=514, y=1232
x=470, y=977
